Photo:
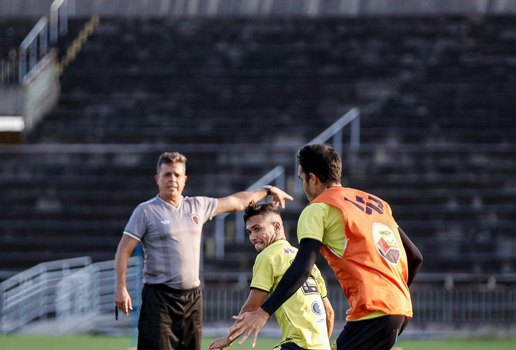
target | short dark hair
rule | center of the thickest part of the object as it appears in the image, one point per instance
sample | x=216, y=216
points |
x=321, y=160
x=254, y=209
x=169, y=158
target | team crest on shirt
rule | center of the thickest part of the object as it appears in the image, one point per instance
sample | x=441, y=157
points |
x=386, y=243
x=195, y=218
x=316, y=308
x=288, y=250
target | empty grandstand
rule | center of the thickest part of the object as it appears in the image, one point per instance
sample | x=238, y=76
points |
x=239, y=95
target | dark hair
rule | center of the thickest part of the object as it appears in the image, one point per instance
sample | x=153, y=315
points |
x=321, y=160
x=169, y=158
x=254, y=209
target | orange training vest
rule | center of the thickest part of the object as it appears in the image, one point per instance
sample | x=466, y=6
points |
x=373, y=271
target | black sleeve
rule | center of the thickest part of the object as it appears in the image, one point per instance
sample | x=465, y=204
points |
x=414, y=256
x=295, y=275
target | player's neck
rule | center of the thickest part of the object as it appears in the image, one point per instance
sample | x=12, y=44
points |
x=333, y=185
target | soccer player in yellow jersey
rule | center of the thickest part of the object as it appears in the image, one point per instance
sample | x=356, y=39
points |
x=306, y=318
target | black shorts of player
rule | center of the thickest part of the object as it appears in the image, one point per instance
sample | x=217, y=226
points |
x=170, y=319
x=378, y=333
x=288, y=346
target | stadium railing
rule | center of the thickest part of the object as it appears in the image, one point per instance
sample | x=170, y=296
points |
x=35, y=46
x=74, y=296
x=31, y=69
x=276, y=176
x=88, y=293
x=63, y=296
x=30, y=295
x=334, y=133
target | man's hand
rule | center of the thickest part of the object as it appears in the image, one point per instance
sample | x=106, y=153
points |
x=123, y=300
x=220, y=343
x=279, y=196
x=248, y=324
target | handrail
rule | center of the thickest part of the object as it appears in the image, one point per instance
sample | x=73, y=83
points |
x=28, y=295
x=55, y=22
x=59, y=19
x=278, y=176
x=78, y=298
x=334, y=132
x=36, y=42
x=30, y=45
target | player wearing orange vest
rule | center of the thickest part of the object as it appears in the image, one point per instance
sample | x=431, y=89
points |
x=373, y=259
x=376, y=256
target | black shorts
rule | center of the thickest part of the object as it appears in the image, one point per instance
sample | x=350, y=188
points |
x=378, y=333
x=288, y=346
x=170, y=319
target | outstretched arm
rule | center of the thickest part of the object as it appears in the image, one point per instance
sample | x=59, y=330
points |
x=240, y=200
x=254, y=300
x=250, y=323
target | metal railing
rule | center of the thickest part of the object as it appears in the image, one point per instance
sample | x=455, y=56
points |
x=334, y=132
x=30, y=295
x=470, y=304
x=35, y=46
x=66, y=295
x=75, y=296
x=276, y=176
x=60, y=10
x=89, y=293
x=465, y=305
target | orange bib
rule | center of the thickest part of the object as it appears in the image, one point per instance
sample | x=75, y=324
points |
x=373, y=271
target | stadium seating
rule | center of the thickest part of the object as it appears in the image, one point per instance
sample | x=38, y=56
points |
x=437, y=129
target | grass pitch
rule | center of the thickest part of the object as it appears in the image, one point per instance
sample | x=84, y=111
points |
x=9, y=342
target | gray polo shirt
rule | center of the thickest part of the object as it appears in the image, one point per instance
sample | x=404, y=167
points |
x=171, y=239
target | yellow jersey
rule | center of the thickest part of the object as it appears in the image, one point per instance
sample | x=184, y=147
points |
x=302, y=317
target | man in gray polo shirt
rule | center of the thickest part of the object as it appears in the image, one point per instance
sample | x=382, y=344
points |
x=169, y=227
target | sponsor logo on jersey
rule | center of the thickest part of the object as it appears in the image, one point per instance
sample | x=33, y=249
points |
x=386, y=243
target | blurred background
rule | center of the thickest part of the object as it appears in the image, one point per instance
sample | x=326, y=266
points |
x=419, y=97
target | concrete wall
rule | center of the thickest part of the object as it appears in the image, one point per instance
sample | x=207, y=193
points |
x=172, y=8
x=41, y=91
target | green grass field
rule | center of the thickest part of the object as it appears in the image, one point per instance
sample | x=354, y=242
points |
x=124, y=343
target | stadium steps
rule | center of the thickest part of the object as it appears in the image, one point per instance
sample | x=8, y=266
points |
x=435, y=95
x=198, y=88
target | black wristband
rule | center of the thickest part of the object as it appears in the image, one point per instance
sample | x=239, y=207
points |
x=268, y=307
x=268, y=188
